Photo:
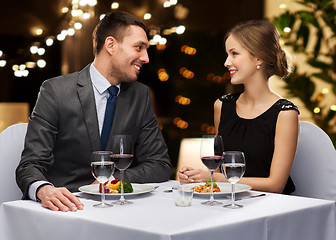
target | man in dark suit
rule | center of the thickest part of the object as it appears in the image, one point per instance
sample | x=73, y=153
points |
x=66, y=123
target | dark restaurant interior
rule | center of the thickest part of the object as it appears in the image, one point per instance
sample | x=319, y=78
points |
x=205, y=23
x=185, y=74
x=73, y=169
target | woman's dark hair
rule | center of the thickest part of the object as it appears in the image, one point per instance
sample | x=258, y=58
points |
x=113, y=24
x=262, y=40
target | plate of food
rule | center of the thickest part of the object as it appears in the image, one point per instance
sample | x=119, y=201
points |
x=113, y=188
x=218, y=188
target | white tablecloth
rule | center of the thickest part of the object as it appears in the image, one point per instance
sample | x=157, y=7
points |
x=154, y=216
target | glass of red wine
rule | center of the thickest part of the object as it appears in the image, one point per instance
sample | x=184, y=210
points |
x=122, y=156
x=212, y=157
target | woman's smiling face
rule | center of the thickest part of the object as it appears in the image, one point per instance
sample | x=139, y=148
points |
x=241, y=64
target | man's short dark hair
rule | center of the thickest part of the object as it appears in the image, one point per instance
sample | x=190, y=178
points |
x=113, y=24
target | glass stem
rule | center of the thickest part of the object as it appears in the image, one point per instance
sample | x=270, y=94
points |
x=211, y=191
x=233, y=196
x=103, y=194
x=122, y=185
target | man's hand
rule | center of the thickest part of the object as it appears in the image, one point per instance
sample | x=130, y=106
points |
x=58, y=199
x=95, y=182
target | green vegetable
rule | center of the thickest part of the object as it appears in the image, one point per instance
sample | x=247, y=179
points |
x=127, y=187
x=208, y=183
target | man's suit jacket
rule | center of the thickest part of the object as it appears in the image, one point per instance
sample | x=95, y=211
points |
x=63, y=132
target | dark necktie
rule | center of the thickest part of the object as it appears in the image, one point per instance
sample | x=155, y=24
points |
x=108, y=119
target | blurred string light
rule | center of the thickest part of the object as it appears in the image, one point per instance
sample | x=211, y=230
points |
x=86, y=15
x=3, y=63
x=71, y=31
x=162, y=75
x=76, y=14
x=207, y=128
x=321, y=95
x=115, y=5
x=182, y=100
x=180, y=29
x=160, y=47
x=282, y=6
x=49, y=41
x=41, y=63
x=30, y=64
x=317, y=110
x=78, y=25
x=218, y=79
x=186, y=73
x=325, y=91
x=287, y=29
x=167, y=4
x=158, y=39
x=38, y=32
x=83, y=3
x=188, y=50
x=20, y=70
x=60, y=37
x=147, y=16
x=33, y=49
x=41, y=51
x=65, y=10
x=180, y=123
x=163, y=41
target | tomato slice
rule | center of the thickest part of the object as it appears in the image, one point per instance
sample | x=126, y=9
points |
x=115, y=181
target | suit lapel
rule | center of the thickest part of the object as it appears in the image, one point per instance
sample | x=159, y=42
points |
x=86, y=97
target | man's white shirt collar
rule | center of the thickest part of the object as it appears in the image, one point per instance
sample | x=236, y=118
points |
x=99, y=81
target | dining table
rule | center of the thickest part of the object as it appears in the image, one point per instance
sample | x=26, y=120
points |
x=153, y=215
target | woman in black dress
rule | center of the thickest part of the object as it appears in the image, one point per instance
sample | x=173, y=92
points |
x=257, y=121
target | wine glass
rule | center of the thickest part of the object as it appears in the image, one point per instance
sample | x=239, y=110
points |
x=212, y=156
x=102, y=170
x=122, y=155
x=233, y=168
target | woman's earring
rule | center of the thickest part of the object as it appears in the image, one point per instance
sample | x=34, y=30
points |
x=258, y=67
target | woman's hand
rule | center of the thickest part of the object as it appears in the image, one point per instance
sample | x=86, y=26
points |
x=190, y=175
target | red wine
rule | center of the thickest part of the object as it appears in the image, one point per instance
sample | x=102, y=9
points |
x=122, y=161
x=212, y=162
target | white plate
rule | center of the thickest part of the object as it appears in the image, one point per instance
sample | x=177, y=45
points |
x=224, y=187
x=137, y=189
